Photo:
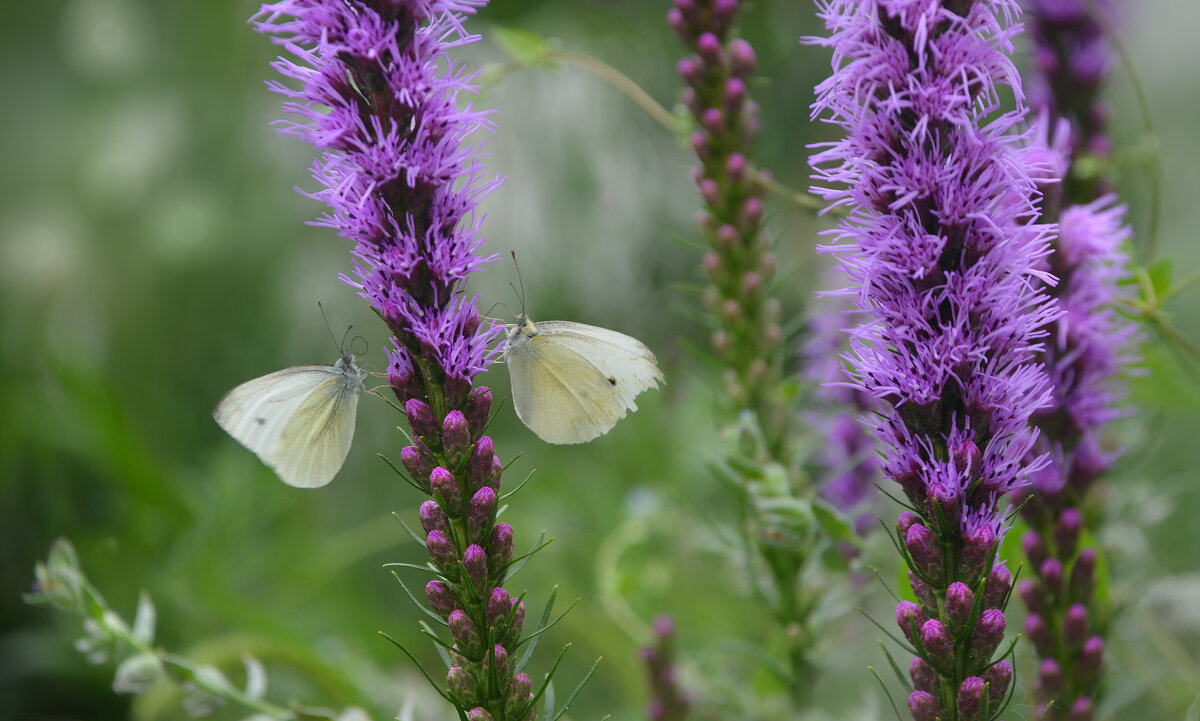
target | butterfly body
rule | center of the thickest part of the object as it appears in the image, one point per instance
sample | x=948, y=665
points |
x=299, y=421
x=572, y=382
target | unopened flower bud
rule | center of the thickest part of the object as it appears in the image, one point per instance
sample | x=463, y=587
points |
x=442, y=483
x=906, y=521
x=441, y=599
x=677, y=24
x=481, y=513
x=960, y=602
x=499, y=605
x=997, y=586
x=924, y=706
x=456, y=437
x=921, y=590
x=699, y=142
x=735, y=95
x=494, y=479
x=979, y=550
x=1050, y=572
x=1039, y=632
x=922, y=546
x=710, y=191
x=910, y=617
x=709, y=48
x=751, y=284
x=1050, y=676
x=937, y=642
x=998, y=677
x=727, y=238
x=1083, y=576
x=713, y=120
x=742, y=60
x=475, y=561
x=500, y=546
x=690, y=70
x=413, y=463
x=464, y=632
x=462, y=684
x=442, y=552
x=691, y=101
x=1031, y=596
x=1082, y=710
x=479, y=405
x=420, y=418
x=479, y=714
x=970, y=698
x=735, y=167
x=500, y=657
x=989, y=633
x=752, y=213
x=1091, y=660
x=1075, y=625
x=433, y=518
x=479, y=466
x=723, y=13
x=1066, y=532
x=923, y=676
x=731, y=311
x=1035, y=550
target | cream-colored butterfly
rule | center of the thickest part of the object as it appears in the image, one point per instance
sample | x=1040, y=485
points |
x=300, y=420
x=572, y=382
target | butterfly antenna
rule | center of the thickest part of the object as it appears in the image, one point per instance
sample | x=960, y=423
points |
x=521, y=280
x=332, y=337
x=488, y=315
x=355, y=339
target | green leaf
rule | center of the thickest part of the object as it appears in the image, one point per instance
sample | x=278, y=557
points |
x=1160, y=273
x=541, y=625
x=571, y=699
x=521, y=45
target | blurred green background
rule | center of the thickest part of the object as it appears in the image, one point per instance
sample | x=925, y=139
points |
x=153, y=255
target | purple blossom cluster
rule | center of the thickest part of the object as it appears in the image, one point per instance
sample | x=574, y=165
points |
x=378, y=96
x=942, y=245
x=1085, y=353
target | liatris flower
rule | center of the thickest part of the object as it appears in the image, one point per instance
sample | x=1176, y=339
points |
x=739, y=264
x=1085, y=353
x=667, y=701
x=942, y=246
x=379, y=97
x=1073, y=57
x=745, y=317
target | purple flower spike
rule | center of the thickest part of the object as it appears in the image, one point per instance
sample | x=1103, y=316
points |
x=373, y=87
x=941, y=240
x=1088, y=348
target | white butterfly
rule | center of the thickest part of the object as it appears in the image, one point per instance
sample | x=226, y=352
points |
x=300, y=420
x=572, y=382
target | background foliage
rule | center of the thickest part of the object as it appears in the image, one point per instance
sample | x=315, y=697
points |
x=152, y=256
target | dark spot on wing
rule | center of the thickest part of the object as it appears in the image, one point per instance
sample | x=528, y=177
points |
x=612, y=381
x=261, y=421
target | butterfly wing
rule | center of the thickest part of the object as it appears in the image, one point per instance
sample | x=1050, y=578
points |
x=317, y=437
x=256, y=412
x=573, y=382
